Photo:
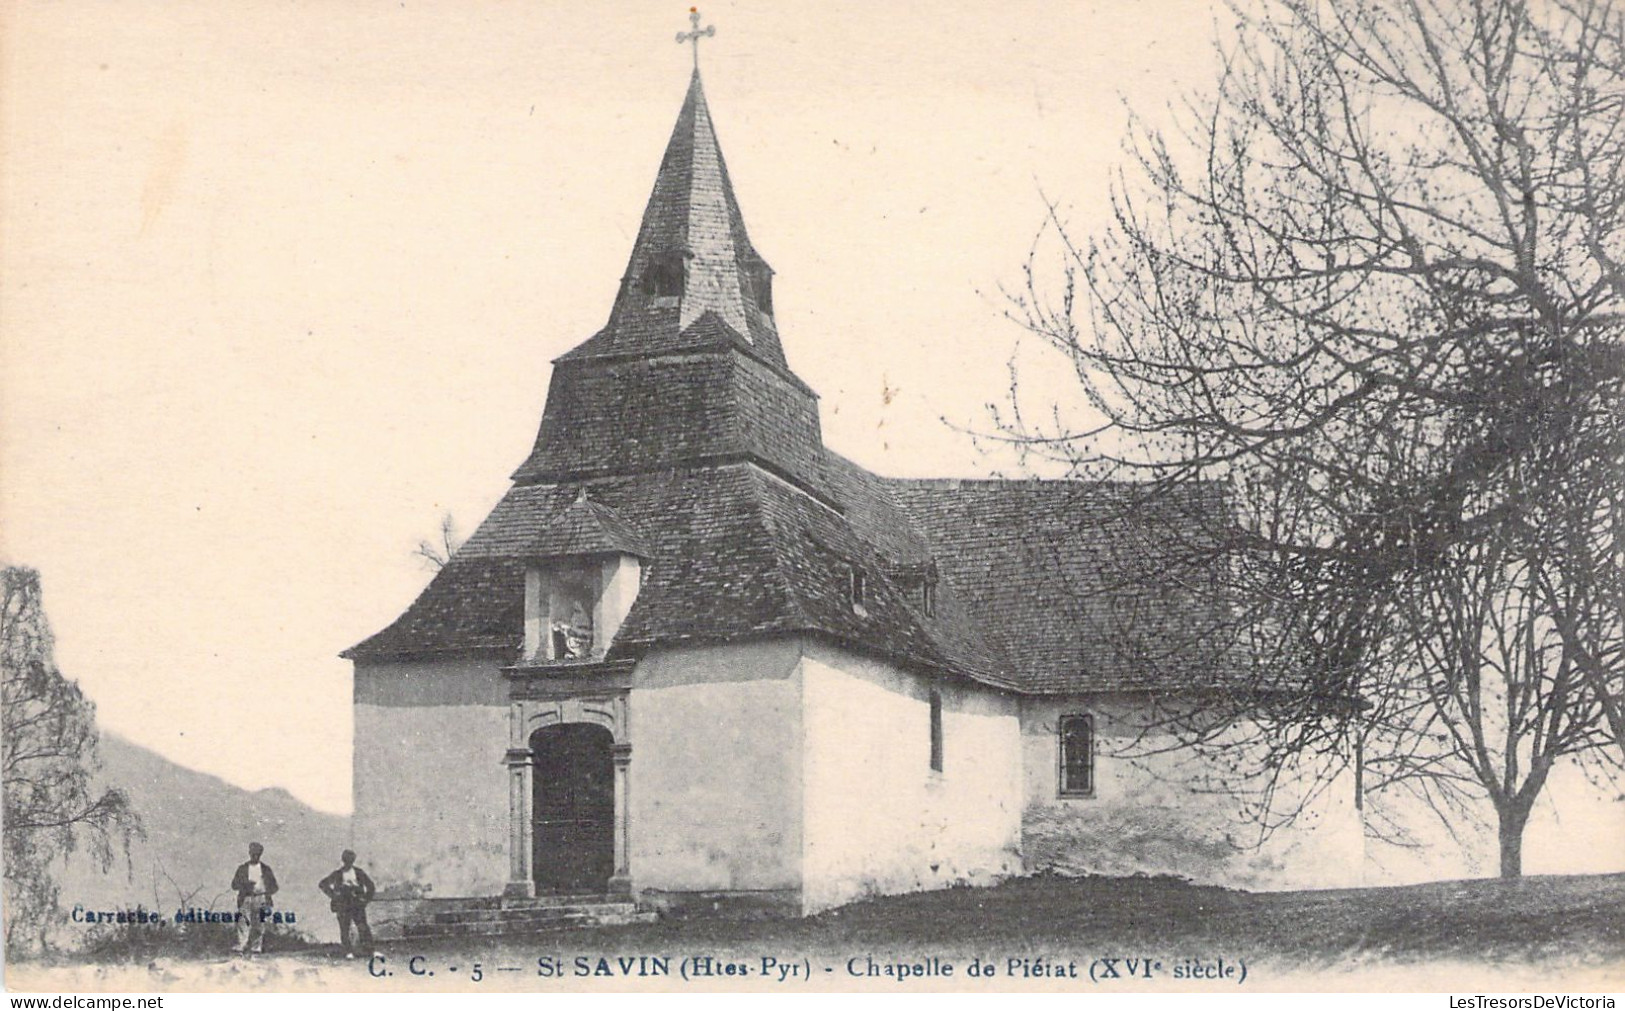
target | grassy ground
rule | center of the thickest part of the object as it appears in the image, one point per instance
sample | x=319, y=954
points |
x=1546, y=930
x=1532, y=920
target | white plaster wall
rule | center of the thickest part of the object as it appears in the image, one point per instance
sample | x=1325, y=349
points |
x=1154, y=814
x=431, y=790
x=878, y=820
x=715, y=777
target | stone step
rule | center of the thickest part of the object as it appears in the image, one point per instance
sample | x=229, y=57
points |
x=537, y=921
x=533, y=912
x=493, y=928
x=464, y=902
x=560, y=899
x=495, y=915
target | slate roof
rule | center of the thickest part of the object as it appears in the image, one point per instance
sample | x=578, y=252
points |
x=689, y=369
x=733, y=552
x=679, y=434
x=1077, y=586
x=1037, y=580
x=622, y=415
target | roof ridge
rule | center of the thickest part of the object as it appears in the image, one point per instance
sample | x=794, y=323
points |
x=1031, y=480
x=958, y=482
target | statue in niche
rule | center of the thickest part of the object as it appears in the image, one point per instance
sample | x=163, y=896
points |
x=572, y=626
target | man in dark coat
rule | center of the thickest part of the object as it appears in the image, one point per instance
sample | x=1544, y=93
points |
x=351, y=890
x=254, y=884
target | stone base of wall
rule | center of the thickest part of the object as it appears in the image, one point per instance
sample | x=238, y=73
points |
x=491, y=916
x=389, y=918
x=933, y=874
x=1118, y=841
x=1160, y=808
x=1121, y=840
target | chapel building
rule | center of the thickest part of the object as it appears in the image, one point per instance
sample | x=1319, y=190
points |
x=697, y=659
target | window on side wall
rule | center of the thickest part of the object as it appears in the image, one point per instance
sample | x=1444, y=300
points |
x=1077, y=755
x=936, y=731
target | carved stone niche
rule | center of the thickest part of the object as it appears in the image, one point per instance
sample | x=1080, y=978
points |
x=574, y=606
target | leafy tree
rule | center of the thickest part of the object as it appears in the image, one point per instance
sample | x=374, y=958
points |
x=1373, y=286
x=49, y=741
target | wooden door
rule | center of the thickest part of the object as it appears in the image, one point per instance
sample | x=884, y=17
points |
x=573, y=833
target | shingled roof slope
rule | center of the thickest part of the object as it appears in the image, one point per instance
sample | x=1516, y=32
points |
x=622, y=415
x=905, y=558
x=733, y=553
x=712, y=572
x=1045, y=587
x=473, y=604
x=1074, y=586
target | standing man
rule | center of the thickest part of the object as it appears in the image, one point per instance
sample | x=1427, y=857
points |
x=254, y=884
x=351, y=890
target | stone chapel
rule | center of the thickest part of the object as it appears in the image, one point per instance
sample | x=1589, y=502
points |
x=695, y=659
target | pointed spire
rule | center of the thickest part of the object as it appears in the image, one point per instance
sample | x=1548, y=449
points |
x=688, y=371
x=692, y=255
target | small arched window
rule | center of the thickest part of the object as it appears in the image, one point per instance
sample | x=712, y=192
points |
x=1077, y=755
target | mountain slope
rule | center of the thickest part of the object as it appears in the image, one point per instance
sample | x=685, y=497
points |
x=198, y=828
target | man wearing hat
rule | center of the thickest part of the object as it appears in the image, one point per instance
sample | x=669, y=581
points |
x=351, y=890
x=254, y=884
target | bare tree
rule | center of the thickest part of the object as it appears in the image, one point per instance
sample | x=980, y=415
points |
x=436, y=553
x=52, y=804
x=1494, y=696
x=1373, y=288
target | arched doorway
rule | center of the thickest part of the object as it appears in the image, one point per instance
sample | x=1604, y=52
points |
x=573, y=808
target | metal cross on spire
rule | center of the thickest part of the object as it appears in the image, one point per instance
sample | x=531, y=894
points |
x=696, y=34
